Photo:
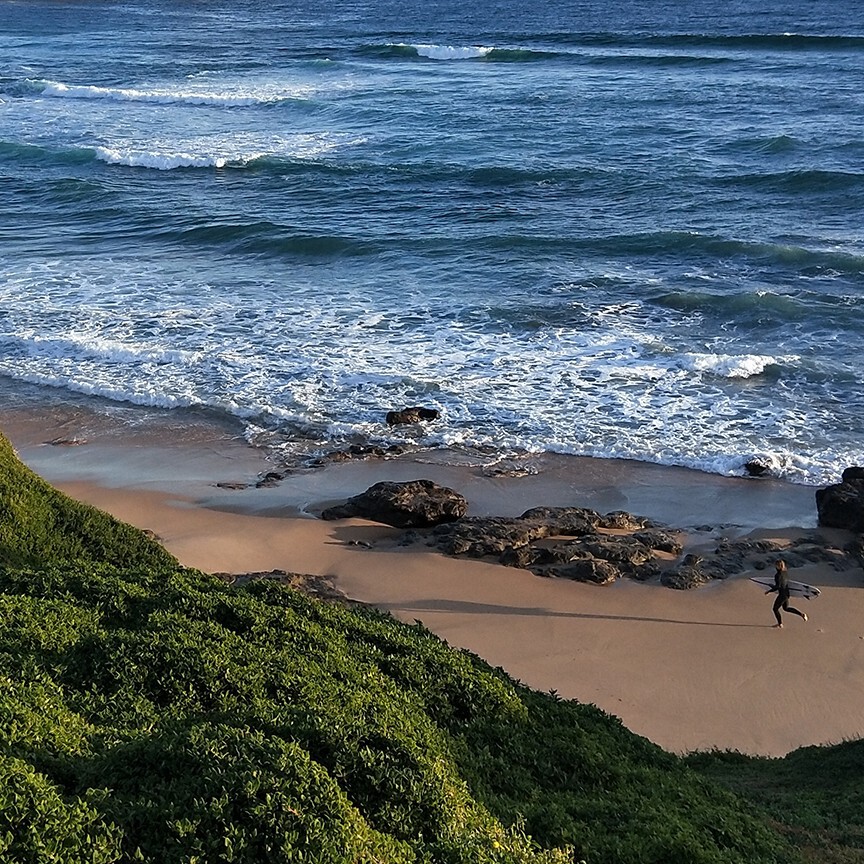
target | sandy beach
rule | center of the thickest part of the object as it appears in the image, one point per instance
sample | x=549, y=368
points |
x=687, y=669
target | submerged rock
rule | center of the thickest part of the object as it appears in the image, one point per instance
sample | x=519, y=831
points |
x=413, y=414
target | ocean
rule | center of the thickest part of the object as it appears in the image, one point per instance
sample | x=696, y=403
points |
x=627, y=230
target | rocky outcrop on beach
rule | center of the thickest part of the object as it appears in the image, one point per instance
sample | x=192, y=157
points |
x=561, y=542
x=579, y=543
x=319, y=587
x=413, y=504
x=842, y=505
x=583, y=545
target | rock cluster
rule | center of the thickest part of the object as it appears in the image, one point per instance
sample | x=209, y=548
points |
x=562, y=542
x=581, y=544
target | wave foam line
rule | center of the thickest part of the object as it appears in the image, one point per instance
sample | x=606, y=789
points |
x=443, y=52
x=161, y=161
x=164, y=97
x=98, y=348
x=732, y=365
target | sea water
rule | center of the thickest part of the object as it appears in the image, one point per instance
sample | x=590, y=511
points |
x=631, y=230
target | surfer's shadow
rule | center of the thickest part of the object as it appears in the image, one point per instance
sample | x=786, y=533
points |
x=464, y=606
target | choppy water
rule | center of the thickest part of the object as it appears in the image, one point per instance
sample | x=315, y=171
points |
x=628, y=231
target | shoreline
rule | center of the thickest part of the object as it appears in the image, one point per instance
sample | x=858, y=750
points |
x=689, y=670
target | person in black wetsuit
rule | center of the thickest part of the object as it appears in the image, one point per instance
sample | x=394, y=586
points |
x=781, y=586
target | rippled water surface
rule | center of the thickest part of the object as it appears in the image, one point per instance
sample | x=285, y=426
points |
x=618, y=231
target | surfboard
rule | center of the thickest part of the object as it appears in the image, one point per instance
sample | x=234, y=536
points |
x=796, y=589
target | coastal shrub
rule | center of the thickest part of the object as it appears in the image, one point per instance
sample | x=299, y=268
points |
x=153, y=714
x=815, y=793
x=39, y=824
x=202, y=722
x=40, y=524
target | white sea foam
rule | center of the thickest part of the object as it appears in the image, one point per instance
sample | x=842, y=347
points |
x=232, y=96
x=732, y=365
x=327, y=366
x=449, y=52
x=237, y=151
x=160, y=161
x=90, y=346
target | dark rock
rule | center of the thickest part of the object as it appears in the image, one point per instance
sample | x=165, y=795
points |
x=560, y=553
x=663, y=541
x=620, y=520
x=856, y=549
x=424, y=413
x=414, y=504
x=756, y=468
x=413, y=414
x=565, y=521
x=619, y=550
x=357, y=451
x=642, y=573
x=522, y=557
x=685, y=576
x=481, y=536
x=271, y=478
x=842, y=505
x=401, y=418
x=232, y=484
x=586, y=570
x=736, y=557
x=410, y=538
x=853, y=472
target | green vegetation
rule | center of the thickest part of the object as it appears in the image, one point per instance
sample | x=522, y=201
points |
x=153, y=714
x=815, y=795
x=38, y=524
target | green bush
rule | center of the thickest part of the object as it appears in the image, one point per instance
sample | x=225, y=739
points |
x=205, y=723
x=39, y=524
x=152, y=714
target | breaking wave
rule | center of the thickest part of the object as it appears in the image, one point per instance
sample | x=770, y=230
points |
x=229, y=98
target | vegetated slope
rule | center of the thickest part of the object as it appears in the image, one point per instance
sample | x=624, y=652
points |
x=815, y=793
x=40, y=524
x=160, y=716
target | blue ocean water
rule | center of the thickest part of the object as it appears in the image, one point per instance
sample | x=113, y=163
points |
x=631, y=230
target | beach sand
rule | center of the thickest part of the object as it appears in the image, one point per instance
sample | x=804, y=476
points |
x=689, y=670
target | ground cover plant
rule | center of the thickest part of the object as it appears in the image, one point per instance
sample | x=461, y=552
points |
x=154, y=714
x=815, y=795
x=39, y=524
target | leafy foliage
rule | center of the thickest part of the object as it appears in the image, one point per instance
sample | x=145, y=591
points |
x=815, y=793
x=188, y=721
x=152, y=714
x=38, y=523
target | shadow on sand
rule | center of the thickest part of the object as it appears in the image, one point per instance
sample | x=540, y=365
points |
x=461, y=606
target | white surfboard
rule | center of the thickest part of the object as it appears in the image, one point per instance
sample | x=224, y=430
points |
x=796, y=589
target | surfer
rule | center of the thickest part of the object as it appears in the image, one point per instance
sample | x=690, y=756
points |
x=781, y=586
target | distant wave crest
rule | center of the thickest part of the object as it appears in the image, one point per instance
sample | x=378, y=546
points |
x=228, y=98
x=442, y=52
x=159, y=161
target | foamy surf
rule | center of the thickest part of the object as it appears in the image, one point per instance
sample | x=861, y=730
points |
x=732, y=366
x=230, y=98
x=446, y=52
x=239, y=152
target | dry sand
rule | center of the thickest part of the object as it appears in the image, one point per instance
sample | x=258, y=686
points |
x=689, y=670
